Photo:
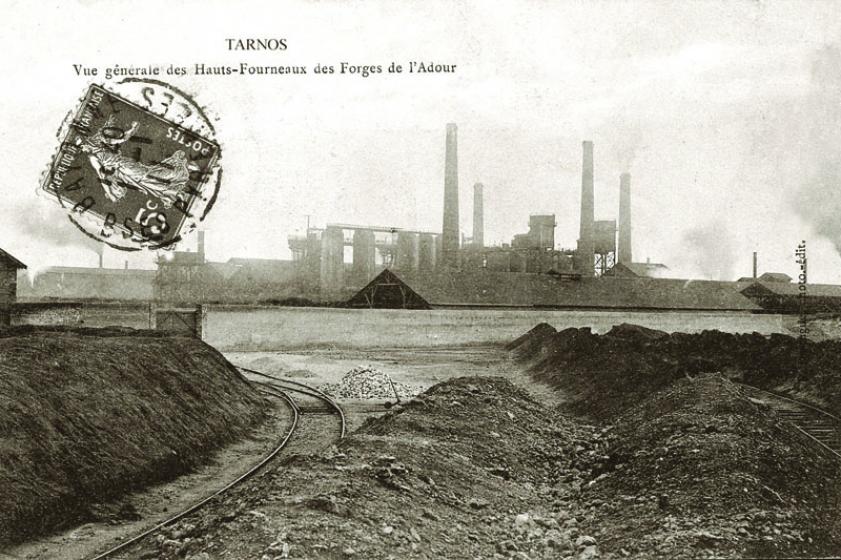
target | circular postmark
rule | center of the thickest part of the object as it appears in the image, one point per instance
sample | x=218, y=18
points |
x=137, y=165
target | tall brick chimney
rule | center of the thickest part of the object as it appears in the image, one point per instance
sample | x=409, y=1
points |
x=624, y=249
x=586, y=245
x=478, y=216
x=450, y=230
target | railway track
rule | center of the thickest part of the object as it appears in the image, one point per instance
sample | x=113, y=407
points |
x=319, y=396
x=314, y=404
x=284, y=441
x=820, y=426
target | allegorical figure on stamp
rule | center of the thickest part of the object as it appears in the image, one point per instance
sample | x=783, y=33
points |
x=117, y=173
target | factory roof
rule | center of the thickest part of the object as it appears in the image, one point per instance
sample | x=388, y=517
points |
x=10, y=260
x=760, y=287
x=775, y=277
x=266, y=270
x=526, y=290
x=261, y=270
x=642, y=270
x=93, y=271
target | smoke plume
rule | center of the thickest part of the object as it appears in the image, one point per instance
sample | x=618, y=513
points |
x=818, y=196
x=41, y=220
x=705, y=252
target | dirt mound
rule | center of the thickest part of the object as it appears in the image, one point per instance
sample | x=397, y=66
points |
x=475, y=468
x=604, y=374
x=635, y=332
x=464, y=471
x=699, y=470
x=534, y=336
x=366, y=382
x=88, y=414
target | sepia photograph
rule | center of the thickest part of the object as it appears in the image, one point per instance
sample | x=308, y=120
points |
x=385, y=280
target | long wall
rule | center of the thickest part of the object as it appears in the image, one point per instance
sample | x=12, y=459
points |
x=270, y=329
x=131, y=315
x=239, y=328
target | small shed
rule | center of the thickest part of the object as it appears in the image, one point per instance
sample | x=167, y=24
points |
x=387, y=291
x=765, y=277
x=786, y=297
x=9, y=267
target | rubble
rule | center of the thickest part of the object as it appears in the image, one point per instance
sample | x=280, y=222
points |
x=365, y=382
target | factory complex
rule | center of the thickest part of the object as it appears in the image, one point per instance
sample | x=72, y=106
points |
x=365, y=266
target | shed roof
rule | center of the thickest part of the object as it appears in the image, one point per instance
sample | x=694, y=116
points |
x=775, y=277
x=387, y=290
x=513, y=289
x=791, y=289
x=10, y=260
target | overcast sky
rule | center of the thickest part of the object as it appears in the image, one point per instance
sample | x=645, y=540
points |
x=727, y=115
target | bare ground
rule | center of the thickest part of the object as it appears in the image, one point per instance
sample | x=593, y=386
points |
x=489, y=466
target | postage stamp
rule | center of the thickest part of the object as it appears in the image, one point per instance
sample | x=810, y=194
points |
x=137, y=165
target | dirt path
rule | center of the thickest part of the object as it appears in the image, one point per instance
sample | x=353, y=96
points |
x=417, y=367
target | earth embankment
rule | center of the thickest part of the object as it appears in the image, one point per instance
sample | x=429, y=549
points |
x=89, y=414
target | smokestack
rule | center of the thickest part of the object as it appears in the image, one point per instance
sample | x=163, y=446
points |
x=585, y=237
x=450, y=230
x=478, y=216
x=754, y=265
x=100, y=251
x=624, y=246
x=200, y=248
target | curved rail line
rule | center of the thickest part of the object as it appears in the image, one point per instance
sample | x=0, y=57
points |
x=269, y=390
x=306, y=390
x=819, y=425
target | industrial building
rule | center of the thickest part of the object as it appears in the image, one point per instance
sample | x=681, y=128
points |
x=456, y=289
x=9, y=267
x=76, y=283
x=777, y=296
x=342, y=257
x=384, y=266
x=186, y=277
x=334, y=262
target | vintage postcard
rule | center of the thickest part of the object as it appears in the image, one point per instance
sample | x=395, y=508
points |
x=518, y=280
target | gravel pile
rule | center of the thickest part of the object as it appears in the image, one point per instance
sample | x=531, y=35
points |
x=699, y=471
x=365, y=382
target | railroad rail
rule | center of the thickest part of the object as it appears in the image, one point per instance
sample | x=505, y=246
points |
x=266, y=390
x=297, y=387
x=819, y=425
